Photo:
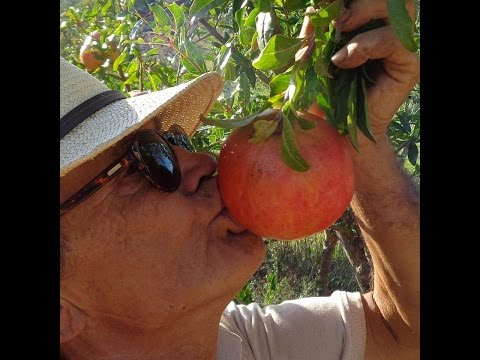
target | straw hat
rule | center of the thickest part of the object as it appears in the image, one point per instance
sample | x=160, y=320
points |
x=93, y=118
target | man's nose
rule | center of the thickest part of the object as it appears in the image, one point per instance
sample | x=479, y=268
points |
x=194, y=167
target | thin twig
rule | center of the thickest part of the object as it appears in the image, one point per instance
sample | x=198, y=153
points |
x=141, y=73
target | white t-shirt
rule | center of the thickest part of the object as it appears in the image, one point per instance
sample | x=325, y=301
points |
x=321, y=328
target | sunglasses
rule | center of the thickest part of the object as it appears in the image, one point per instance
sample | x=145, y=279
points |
x=152, y=154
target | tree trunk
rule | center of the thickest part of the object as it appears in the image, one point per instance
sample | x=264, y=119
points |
x=357, y=253
x=329, y=244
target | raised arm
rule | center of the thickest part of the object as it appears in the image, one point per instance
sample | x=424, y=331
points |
x=385, y=202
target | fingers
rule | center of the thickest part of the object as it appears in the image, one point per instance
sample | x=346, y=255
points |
x=307, y=27
x=306, y=30
x=360, y=12
x=374, y=44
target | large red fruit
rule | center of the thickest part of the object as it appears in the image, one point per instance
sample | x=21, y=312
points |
x=274, y=201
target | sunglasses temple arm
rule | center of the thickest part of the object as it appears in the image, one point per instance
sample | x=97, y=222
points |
x=102, y=179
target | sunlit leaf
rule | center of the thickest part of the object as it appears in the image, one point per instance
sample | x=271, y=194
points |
x=265, y=27
x=289, y=149
x=195, y=56
x=401, y=23
x=161, y=17
x=291, y=5
x=262, y=130
x=106, y=7
x=279, y=83
x=119, y=61
x=323, y=17
x=199, y=8
x=177, y=13
x=279, y=51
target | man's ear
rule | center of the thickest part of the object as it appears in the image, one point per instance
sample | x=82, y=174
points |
x=72, y=320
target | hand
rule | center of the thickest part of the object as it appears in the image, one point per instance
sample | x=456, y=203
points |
x=401, y=68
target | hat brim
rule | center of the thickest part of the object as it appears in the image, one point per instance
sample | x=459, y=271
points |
x=181, y=104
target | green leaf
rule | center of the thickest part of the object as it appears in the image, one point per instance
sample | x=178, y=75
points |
x=234, y=123
x=244, y=95
x=401, y=23
x=276, y=100
x=297, y=83
x=237, y=5
x=230, y=88
x=199, y=8
x=262, y=130
x=323, y=104
x=323, y=17
x=352, y=114
x=278, y=52
x=245, y=32
x=105, y=8
x=263, y=5
x=402, y=117
x=279, y=83
x=155, y=80
x=195, y=56
x=312, y=87
x=120, y=29
x=321, y=57
x=338, y=95
x=250, y=20
x=412, y=153
x=161, y=17
x=119, y=61
x=363, y=118
x=131, y=79
x=190, y=66
x=228, y=123
x=229, y=71
x=289, y=150
x=252, y=77
x=152, y=52
x=265, y=26
x=223, y=57
x=177, y=13
x=306, y=124
x=291, y=5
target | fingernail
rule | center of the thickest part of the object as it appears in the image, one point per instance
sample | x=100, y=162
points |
x=338, y=57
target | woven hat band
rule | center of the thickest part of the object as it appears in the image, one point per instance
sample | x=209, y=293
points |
x=87, y=108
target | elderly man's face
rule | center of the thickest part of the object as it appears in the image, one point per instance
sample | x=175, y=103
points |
x=136, y=252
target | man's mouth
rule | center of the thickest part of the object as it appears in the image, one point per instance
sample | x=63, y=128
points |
x=232, y=226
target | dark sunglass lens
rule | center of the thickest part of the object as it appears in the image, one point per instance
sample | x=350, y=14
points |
x=177, y=136
x=159, y=162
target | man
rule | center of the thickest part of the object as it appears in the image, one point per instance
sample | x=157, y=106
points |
x=151, y=258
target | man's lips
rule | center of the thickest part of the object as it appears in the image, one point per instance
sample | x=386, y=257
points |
x=231, y=225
